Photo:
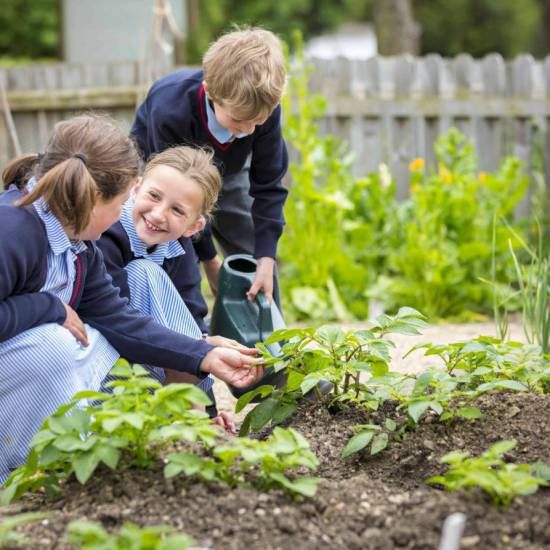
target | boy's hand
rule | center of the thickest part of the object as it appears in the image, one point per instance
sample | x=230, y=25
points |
x=232, y=366
x=224, y=421
x=212, y=271
x=223, y=342
x=264, y=279
x=73, y=323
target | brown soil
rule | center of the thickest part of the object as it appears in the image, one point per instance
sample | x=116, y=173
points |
x=373, y=503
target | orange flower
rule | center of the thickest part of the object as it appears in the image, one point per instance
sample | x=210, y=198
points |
x=416, y=165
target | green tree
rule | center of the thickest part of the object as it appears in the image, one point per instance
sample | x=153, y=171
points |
x=450, y=27
x=30, y=28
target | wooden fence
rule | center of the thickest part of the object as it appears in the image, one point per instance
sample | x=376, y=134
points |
x=388, y=109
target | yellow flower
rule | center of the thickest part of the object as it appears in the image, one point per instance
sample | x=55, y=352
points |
x=482, y=177
x=415, y=187
x=446, y=176
x=416, y=165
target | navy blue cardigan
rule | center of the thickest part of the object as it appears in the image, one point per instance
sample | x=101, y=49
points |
x=174, y=114
x=23, y=268
x=183, y=270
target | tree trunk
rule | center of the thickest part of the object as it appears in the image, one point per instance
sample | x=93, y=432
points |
x=396, y=30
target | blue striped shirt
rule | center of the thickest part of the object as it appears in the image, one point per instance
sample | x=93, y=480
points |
x=159, y=253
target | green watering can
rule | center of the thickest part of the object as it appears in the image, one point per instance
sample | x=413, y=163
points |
x=236, y=317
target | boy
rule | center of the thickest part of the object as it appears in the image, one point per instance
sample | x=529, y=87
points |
x=232, y=106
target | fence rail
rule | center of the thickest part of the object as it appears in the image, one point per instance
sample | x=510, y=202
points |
x=387, y=109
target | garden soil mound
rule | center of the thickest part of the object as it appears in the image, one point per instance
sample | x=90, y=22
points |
x=379, y=502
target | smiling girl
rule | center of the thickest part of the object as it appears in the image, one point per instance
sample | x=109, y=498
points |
x=150, y=255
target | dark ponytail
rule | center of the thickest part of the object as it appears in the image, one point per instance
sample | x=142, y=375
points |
x=20, y=170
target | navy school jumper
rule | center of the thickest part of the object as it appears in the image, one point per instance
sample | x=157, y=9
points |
x=23, y=266
x=182, y=270
x=174, y=113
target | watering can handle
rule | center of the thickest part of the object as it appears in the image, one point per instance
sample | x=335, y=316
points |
x=266, y=320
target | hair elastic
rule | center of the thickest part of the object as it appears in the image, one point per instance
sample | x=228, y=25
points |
x=82, y=157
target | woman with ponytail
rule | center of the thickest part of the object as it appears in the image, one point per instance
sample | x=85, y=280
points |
x=63, y=324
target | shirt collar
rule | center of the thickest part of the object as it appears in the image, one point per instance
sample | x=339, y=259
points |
x=221, y=133
x=57, y=238
x=162, y=251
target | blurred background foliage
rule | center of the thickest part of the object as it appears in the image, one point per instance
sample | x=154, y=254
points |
x=31, y=28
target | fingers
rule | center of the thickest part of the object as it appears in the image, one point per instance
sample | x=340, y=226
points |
x=254, y=289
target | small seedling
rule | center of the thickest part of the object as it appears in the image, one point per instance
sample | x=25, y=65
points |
x=489, y=472
x=89, y=535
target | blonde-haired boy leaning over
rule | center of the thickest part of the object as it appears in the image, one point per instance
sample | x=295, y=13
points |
x=232, y=105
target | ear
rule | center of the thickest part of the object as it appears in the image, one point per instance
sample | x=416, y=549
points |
x=205, y=86
x=198, y=226
x=135, y=187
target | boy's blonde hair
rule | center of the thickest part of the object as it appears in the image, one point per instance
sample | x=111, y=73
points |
x=197, y=165
x=245, y=72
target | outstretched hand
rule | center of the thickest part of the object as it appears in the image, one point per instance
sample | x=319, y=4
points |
x=232, y=366
x=264, y=279
x=224, y=342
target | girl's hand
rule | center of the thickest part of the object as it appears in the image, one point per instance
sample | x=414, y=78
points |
x=264, y=279
x=212, y=271
x=223, y=342
x=75, y=326
x=224, y=421
x=232, y=366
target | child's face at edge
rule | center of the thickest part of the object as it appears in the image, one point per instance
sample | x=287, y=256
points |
x=167, y=206
x=104, y=214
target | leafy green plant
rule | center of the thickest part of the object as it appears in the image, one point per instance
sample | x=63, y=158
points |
x=89, y=535
x=489, y=472
x=330, y=354
x=242, y=461
x=131, y=423
x=10, y=523
x=486, y=364
x=376, y=436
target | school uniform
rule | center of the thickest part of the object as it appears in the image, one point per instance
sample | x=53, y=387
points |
x=42, y=364
x=249, y=214
x=162, y=281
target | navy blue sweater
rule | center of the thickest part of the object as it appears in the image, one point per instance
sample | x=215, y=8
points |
x=183, y=270
x=174, y=113
x=23, y=268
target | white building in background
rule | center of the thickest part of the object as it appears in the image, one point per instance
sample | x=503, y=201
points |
x=351, y=40
x=102, y=31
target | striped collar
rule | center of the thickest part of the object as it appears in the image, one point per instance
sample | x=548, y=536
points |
x=162, y=251
x=57, y=238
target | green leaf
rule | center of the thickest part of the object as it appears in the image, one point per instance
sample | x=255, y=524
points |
x=109, y=456
x=306, y=486
x=331, y=334
x=417, y=408
x=69, y=443
x=244, y=400
x=357, y=442
x=469, y=412
x=390, y=425
x=309, y=382
x=263, y=413
x=85, y=465
x=379, y=443
x=283, y=411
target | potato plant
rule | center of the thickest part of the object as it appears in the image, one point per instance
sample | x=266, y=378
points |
x=489, y=472
x=128, y=427
x=330, y=354
x=89, y=535
x=241, y=460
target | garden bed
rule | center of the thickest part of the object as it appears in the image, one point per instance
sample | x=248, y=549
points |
x=364, y=502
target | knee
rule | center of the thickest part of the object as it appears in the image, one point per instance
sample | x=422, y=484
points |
x=144, y=270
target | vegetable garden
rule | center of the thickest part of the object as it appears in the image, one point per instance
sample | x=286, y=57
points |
x=382, y=460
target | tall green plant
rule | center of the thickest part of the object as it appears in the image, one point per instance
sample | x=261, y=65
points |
x=319, y=275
